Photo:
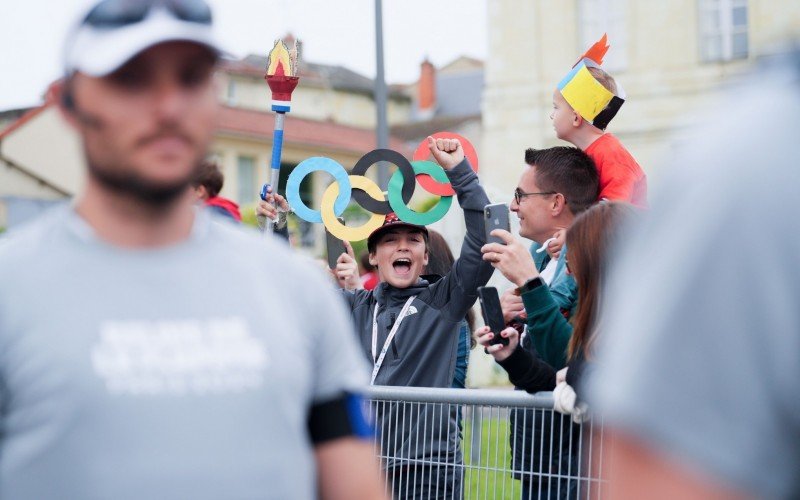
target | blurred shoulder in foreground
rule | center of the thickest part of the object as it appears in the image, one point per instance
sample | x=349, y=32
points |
x=699, y=372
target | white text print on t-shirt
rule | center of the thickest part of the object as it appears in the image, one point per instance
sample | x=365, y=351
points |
x=179, y=357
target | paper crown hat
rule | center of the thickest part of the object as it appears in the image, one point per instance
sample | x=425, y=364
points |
x=587, y=96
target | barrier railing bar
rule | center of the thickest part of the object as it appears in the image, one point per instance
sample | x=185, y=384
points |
x=479, y=397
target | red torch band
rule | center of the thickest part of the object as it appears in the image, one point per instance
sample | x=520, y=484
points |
x=282, y=86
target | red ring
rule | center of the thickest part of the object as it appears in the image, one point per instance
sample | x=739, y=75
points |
x=423, y=153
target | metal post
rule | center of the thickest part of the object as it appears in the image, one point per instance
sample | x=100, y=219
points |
x=382, y=129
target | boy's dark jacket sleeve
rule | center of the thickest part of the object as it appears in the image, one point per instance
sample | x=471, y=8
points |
x=457, y=291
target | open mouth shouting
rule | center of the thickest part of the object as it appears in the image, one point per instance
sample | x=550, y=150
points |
x=402, y=266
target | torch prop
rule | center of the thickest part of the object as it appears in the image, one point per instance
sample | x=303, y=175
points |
x=282, y=78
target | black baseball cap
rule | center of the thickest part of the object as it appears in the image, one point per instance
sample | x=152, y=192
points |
x=391, y=221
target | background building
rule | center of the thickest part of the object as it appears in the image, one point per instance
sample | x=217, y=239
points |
x=333, y=115
x=673, y=59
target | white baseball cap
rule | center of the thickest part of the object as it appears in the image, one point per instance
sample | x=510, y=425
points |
x=115, y=31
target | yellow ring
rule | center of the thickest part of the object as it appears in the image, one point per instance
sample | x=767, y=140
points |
x=338, y=229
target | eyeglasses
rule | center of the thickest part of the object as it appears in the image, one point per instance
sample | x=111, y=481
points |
x=519, y=194
x=118, y=13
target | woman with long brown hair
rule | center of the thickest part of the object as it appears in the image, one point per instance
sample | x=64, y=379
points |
x=589, y=240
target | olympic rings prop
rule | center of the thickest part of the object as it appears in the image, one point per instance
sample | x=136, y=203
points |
x=403, y=166
x=368, y=195
x=337, y=228
x=423, y=152
x=300, y=172
x=401, y=209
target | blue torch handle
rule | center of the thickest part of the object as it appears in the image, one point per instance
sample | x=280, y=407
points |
x=275, y=162
x=277, y=146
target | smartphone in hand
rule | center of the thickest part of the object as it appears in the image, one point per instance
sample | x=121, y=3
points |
x=495, y=216
x=335, y=247
x=492, y=312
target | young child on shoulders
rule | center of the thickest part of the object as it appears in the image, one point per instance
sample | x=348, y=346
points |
x=584, y=102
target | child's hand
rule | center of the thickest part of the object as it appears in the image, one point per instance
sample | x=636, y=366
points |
x=270, y=207
x=447, y=152
x=498, y=351
x=266, y=209
x=556, y=244
x=346, y=270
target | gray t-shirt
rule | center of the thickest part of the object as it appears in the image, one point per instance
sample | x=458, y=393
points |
x=181, y=372
x=701, y=350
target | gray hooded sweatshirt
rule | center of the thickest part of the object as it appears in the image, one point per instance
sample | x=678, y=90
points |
x=423, y=351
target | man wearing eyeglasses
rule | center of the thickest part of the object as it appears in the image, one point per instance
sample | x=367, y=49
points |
x=123, y=373
x=557, y=184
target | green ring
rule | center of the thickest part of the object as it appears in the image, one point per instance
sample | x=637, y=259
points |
x=401, y=209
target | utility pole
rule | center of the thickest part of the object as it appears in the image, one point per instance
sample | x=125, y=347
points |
x=382, y=130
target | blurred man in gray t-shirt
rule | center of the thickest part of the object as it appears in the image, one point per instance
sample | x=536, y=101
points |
x=146, y=350
x=698, y=376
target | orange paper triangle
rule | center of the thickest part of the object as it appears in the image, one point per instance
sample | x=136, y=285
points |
x=596, y=52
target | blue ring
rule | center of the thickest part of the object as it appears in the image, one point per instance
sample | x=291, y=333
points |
x=300, y=172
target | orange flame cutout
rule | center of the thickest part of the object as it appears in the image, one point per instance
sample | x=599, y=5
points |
x=280, y=60
x=597, y=51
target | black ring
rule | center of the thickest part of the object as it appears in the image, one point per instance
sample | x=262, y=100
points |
x=362, y=165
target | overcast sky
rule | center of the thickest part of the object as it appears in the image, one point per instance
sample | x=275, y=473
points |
x=332, y=32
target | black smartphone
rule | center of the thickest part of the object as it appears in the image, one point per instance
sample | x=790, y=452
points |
x=335, y=247
x=492, y=312
x=495, y=216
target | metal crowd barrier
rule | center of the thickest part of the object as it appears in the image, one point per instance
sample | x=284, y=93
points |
x=457, y=443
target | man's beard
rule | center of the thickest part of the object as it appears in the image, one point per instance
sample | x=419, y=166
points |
x=125, y=182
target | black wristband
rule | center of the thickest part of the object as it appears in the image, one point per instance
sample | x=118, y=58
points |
x=530, y=285
x=339, y=417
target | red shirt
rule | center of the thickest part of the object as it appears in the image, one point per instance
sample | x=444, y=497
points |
x=621, y=178
x=369, y=280
x=227, y=205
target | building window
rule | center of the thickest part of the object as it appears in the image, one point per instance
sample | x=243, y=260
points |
x=230, y=98
x=246, y=177
x=596, y=17
x=723, y=30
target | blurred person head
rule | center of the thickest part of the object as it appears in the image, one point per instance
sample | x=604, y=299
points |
x=558, y=184
x=440, y=261
x=138, y=89
x=399, y=251
x=590, y=238
x=440, y=257
x=569, y=125
x=209, y=180
x=207, y=184
x=366, y=265
x=369, y=277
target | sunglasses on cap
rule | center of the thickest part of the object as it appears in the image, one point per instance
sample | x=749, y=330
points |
x=118, y=13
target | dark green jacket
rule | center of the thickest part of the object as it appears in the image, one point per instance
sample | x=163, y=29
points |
x=549, y=331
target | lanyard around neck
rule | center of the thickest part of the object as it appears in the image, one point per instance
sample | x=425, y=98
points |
x=378, y=359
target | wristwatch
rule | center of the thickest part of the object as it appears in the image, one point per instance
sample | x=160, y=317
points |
x=530, y=285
